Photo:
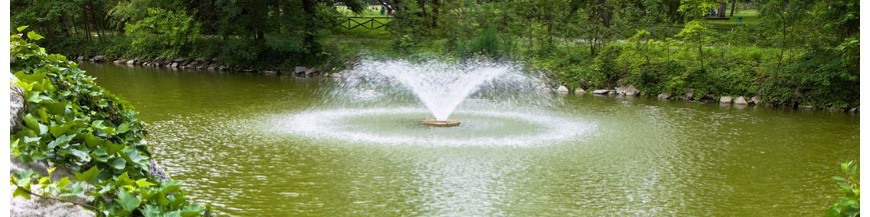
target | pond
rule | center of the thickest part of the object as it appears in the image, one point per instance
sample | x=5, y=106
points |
x=645, y=157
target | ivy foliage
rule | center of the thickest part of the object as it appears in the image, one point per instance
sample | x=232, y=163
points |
x=72, y=123
x=849, y=185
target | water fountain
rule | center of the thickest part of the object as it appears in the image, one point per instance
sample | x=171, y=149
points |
x=441, y=87
x=378, y=101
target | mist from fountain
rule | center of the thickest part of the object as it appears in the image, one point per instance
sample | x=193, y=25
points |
x=441, y=86
x=381, y=102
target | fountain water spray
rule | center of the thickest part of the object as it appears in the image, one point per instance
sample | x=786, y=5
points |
x=440, y=86
x=380, y=101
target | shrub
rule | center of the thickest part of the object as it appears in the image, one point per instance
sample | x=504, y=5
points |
x=239, y=52
x=162, y=32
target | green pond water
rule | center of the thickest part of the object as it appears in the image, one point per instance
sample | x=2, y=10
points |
x=644, y=157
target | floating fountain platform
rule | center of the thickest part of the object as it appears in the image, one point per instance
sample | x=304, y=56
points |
x=436, y=123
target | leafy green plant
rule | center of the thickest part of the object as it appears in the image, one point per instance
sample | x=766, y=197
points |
x=72, y=123
x=163, y=31
x=405, y=43
x=849, y=184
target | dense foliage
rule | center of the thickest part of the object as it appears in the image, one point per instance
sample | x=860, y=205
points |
x=849, y=185
x=790, y=53
x=75, y=125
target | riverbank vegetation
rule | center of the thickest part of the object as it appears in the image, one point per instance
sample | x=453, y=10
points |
x=790, y=53
x=90, y=135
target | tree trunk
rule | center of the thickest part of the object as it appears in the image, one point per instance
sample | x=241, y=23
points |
x=308, y=7
x=93, y=20
x=733, y=7
x=436, y=10
x=722, y=9
x=85, y=22
x=701, y=51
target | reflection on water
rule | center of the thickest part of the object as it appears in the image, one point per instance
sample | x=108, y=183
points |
x=644, y=157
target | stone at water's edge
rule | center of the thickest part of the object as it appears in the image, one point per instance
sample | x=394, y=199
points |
x=627, y=91
x=664, y=96
x=726, y=99
x=300, y=69
x=98, y=59
x=579, y=91
x=755, y=100
x=690, y=95
x=601, y=92
x=563, y=89
x=741, y=101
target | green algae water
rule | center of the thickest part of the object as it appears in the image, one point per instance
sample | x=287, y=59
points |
x=216, y=132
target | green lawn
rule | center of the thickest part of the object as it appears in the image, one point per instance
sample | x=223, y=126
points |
x=750, y=16
x=370, y=11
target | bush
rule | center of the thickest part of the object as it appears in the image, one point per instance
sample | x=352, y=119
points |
x=239, y=52
x=72, y=123
x=162, y=33
x=489, y=43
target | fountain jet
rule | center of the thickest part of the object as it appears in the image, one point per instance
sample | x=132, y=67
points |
x=440, y=86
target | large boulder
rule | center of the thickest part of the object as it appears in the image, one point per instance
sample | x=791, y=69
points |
x=579, y=91
x=16, y=104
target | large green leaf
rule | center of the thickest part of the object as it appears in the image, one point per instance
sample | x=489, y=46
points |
x=73, y=190
x=119, y=164
x=81, y=155
x=61, y=141
x=143, y=183
x=21, y=192
x=31, y=122
x=23, y=178
x=128, y=201
x=150, y=211
x=57, y=130
x=56, y=108
x=34, y=36
x=88, y=176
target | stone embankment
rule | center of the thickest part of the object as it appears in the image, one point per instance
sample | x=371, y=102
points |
x=203, y=64
x=631, y=91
